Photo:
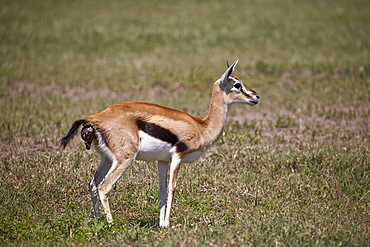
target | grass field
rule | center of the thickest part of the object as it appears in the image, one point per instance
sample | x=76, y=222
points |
x=292, y=171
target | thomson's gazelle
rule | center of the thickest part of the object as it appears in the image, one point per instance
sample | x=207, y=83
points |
x=144, y=131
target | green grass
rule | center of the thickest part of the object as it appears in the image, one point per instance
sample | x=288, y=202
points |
x=293, y=170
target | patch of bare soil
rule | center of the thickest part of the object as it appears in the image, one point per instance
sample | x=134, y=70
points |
x=332, y=125
x=79, y=93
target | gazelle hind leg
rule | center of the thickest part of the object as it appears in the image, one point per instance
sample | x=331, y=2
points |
x=94, y=198
x=105, y=165
x=174, y=170
x=115, y=172
x=162, y=172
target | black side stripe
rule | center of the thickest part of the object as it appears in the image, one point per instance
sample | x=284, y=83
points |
x=161, y=134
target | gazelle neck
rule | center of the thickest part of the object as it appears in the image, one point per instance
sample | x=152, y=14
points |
x=216, y=118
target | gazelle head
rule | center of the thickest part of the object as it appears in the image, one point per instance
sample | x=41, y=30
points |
x=236, y=92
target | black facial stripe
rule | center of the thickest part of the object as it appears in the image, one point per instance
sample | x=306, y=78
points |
x=161, y=134
x=243, y=92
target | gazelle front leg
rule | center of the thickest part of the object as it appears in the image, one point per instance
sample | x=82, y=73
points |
x=162, y=172
x=174, y=170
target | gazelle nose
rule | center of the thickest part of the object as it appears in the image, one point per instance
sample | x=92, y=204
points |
x=258, y=97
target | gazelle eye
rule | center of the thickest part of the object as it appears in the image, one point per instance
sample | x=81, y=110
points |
x=238, y=85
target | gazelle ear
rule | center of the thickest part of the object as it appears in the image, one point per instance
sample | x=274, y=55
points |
x=228, y=72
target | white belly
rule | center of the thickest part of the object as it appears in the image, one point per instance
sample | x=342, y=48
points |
x=153, y=149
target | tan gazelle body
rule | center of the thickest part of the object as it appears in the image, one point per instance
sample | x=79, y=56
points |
x=128, y=131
